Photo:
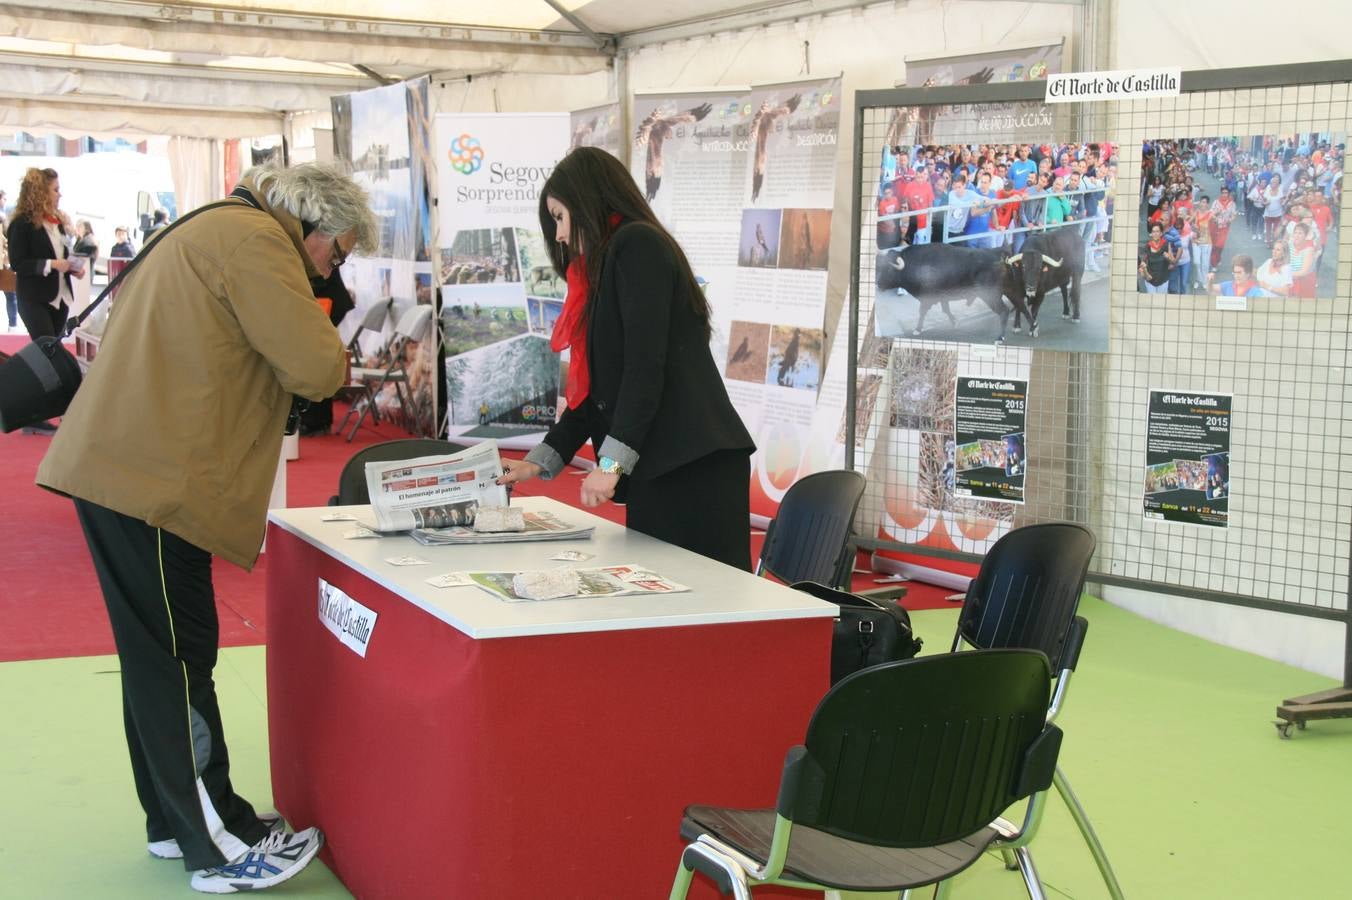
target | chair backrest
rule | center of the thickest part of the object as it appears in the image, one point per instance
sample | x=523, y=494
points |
x=809, y=537
x=375, y=317
x=414, y=322
x=352, y=481
x=925, y=751
x=1028, y=589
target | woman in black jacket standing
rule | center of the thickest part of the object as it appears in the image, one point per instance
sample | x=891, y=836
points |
x=39, y=253
x=642, y=383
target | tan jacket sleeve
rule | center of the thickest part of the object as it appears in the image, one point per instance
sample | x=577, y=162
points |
x=265, y=285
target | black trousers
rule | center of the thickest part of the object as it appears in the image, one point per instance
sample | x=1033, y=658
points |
x=703, y=506
x=162, y=608
x=42, y=319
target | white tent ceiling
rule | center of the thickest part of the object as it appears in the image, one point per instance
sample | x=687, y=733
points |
x=237, y=66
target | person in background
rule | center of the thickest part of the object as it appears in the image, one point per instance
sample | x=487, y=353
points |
x=642, y=383
x=1201, y=243
x=1274, y=276
x=1223, y=214
x=40, y=254
x=157, y=224
x=122, y=248
x=11, y=298
x=317, y=418
x=169, y=450
x=1304, y=253
x=86, y=244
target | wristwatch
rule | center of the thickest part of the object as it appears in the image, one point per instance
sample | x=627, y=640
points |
x=609, y=466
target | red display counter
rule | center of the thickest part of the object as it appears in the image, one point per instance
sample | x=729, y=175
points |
x=525, y=750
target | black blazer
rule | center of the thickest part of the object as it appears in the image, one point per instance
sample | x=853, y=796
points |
x=29, y=250
x=654, y=384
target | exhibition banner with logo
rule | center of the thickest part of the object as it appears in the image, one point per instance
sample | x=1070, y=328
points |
x=499, y=292
x=385, y=134
x=1187, y=458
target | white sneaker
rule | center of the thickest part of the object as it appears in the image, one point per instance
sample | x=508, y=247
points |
x=170, y=849
x=271, y=861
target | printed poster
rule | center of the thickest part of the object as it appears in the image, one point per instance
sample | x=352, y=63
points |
x=1187, y=466
x=989, y=453
x=597, y=126
x=499, y=293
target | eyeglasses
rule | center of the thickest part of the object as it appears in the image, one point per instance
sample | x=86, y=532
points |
x=339, y=256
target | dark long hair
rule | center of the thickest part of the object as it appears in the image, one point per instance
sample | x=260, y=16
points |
x=594, y=186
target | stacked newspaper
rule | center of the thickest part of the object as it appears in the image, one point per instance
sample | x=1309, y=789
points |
x=435, y=491
x=540, y=526
x=605, y=581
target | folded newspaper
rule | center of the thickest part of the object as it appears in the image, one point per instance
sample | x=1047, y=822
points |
x=435, y=491
x=604, y=581
x=540, y=526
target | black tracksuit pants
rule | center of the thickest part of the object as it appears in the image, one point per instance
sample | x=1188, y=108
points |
x=162, y=609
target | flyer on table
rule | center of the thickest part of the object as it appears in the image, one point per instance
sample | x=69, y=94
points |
x=1187, y=465
x=990, y=456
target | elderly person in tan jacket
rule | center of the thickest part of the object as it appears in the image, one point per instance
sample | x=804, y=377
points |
x=169, y=450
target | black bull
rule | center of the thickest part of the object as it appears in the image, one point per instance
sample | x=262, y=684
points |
x=1054, y=259
x=942, y=273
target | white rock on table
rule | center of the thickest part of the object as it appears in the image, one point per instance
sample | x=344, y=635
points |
x=499, y=518
x=549, y=584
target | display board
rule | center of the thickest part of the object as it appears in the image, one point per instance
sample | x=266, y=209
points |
x=1094, y=447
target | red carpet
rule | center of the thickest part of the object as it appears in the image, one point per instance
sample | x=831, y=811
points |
x=50, y=603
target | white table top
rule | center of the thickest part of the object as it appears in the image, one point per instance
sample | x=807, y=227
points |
x=718, y=593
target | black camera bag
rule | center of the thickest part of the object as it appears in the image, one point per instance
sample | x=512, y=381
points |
x=868, y=632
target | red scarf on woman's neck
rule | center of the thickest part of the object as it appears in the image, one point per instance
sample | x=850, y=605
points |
x=570, y=331
x=54, y=220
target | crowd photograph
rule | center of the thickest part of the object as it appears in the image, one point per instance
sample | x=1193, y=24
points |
x=1252, y=216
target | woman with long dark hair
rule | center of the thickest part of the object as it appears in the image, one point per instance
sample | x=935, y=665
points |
x=642, y=383
x=39, y=252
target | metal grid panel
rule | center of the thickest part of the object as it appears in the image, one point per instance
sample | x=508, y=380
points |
x=1285, y=362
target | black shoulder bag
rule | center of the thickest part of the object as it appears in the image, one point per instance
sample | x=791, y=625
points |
x=39, y=381
x=868, y=632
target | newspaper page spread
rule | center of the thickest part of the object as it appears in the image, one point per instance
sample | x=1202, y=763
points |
x=435, y=491
x=603, y=581
x=540, y=526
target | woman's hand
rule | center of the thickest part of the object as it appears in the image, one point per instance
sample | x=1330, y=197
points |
x=598, y=487
x=514, y=470
x=60, y=265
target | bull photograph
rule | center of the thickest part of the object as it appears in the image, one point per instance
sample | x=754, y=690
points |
x=1241, y=216
x=987, y=233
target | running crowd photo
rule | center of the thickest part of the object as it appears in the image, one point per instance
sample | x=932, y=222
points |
x=1241, y=216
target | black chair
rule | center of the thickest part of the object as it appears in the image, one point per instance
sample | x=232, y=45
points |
x=809, y=538
x=352, y=481
x=903, y=770
x=1025, y=595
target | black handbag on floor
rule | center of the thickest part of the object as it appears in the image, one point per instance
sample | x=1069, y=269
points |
x=38, y=382
x=868, y=632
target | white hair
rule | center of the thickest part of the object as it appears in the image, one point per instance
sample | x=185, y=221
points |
x=323, y=195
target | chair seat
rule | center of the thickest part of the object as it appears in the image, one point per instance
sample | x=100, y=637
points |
x=821, y=858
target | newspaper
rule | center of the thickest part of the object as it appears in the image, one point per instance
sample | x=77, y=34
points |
x=540, y=526
x=603, y=581
x=435, y=491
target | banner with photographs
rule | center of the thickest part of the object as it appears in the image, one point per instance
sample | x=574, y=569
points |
x=988, y=421
x=1187, y=458
x=1241, y=215
x=916, y=457
x=1016, y=64
x=385, y=134
x=775, y=352
x=500, y=295
x=990, y=233
x=597, y=126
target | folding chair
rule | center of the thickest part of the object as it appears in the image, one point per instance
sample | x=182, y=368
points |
x=413, y=325
x=809, y=538
x=357, y=387
x=352, y=480
x=1025, y=595
x=903, y=770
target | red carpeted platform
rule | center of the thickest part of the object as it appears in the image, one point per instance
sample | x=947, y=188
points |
x=50, y=603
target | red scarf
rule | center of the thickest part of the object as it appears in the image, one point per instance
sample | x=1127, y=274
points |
x=570, y=331
x=55, y=220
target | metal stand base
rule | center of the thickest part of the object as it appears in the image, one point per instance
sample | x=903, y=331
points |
x=1331, y=704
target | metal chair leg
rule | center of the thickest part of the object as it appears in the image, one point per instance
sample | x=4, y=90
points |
x=1030, y=878
x=1011, y=863
x=1087, y=832
x=680, y=888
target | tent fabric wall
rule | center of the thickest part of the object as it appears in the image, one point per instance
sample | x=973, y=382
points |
x=78, y=119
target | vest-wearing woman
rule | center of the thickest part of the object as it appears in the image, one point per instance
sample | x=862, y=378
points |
x=1156, y=258
x=1304, y=252
x=39, y=253
x=642, y=383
